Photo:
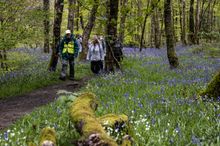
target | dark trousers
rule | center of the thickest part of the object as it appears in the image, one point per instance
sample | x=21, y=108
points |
x=96, y=66
x=64, y=67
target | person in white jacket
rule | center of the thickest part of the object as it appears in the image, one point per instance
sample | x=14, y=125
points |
x=96, y=55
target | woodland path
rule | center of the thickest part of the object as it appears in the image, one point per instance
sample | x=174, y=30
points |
x=14, y=108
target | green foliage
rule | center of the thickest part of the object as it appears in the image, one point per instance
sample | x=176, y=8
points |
x=207, y=49
x=21, y=22
x=213, y=35
x=28, y=129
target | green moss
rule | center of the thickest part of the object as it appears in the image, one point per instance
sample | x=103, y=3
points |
x=82, y=114
x=48, y=134
x=213, y=88
x=126, y=142
x=31, y=144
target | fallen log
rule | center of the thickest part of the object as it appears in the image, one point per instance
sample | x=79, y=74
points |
x=83, y=117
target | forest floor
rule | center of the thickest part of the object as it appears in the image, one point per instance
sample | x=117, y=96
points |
x=13, y=108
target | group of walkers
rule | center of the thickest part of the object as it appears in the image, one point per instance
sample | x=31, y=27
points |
x=70, y=47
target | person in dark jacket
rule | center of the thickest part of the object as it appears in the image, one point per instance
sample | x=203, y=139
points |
x=68, y=51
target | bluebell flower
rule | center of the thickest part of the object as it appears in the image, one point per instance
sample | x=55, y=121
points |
x=6, y=136
x=195, y=140
x=171, y=140
x=153, y=121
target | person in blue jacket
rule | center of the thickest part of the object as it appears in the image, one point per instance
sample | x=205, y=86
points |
x=68, y=51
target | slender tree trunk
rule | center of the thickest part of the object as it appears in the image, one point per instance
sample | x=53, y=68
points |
x=212, y=16
x=124, y=12
x=56, y=33
x=81, y=21
x=172, y=57
x=191, y=23
x=197, y=22
x=148, y=12
x=77, y=16
x=71, y=8
x=202, y=15
x=88, y=29
x=46, y=8
x=184, y=22
x=111, y=28
x=156, y=29
x=174, y=22
x=152, y=33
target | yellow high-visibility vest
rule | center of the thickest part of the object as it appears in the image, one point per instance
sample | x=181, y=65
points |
x=68, y=48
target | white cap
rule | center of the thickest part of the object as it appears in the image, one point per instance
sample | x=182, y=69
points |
x=68, y=31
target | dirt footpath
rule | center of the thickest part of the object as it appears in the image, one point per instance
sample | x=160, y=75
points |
x=15, y=107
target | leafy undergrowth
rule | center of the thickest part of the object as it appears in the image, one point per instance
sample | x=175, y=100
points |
x=160, y=103
x=207, y=50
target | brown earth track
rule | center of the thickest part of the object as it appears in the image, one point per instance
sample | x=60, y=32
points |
x=14, y=108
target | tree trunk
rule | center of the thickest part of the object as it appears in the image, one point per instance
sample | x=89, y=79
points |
x=152, y=41
x=212, y=16
x=77, y=16
x=56, y=33
x=172, y=57
x=88, y=29
x=148, y=12
x=191, y=23
x=156, y=29
x=124, y=12
x=71, y=8
x=184, y=22
x=202, y=15
x=112, y=15
x=197, y=21
x=81, y=21
x=46, y=8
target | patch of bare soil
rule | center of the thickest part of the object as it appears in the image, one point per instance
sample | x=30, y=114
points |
x=13, y=108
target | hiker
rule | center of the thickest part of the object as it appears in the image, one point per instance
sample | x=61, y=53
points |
x=79, y=40
x=118, y=52
x=68, y=51
x=96, y=55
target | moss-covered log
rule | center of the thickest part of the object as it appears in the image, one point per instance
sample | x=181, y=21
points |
x=213, y=88
x=83, y=116
x=48, y=137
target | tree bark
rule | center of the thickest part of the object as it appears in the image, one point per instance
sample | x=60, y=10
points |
x=191, y=23
x=77, y=15
x=124, y=12
x=71, y=9
x=183, y=36
x=88, y=29
x=112, y=15
x=56, y=33
x=156, y=29
x=172, y=57
x=197, y=22
x=46, y=8
x=148, y=12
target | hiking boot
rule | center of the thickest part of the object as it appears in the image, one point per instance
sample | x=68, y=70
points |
x=72, y=78
x=62, y=78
